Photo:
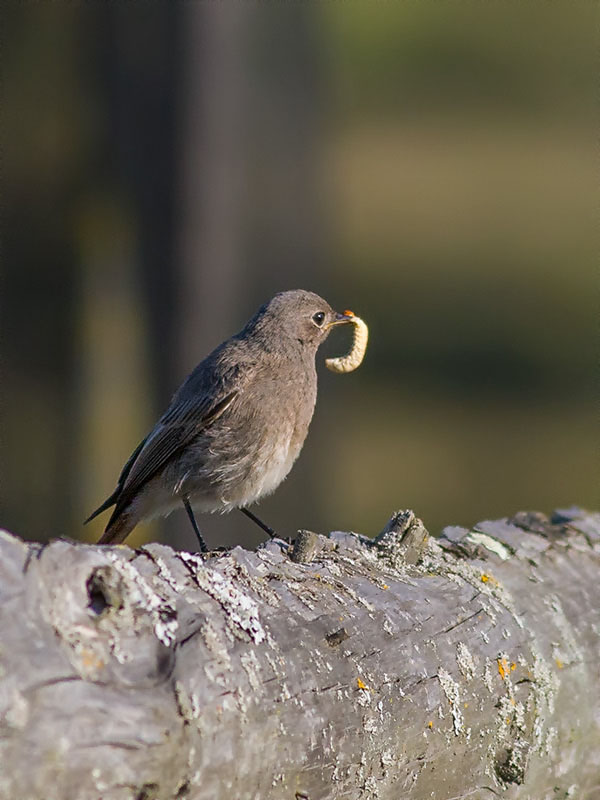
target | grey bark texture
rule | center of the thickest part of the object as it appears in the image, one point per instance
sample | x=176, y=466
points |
x=400, y=667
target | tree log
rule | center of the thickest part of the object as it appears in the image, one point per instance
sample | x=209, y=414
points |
x=340, y=667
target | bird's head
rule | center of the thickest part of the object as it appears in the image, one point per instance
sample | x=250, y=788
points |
x=300, y=316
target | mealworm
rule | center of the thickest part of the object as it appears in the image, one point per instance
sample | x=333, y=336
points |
x=354, y=358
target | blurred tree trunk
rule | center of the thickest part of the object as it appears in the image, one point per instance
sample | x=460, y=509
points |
x=125, y=231
x=404, y=667
x=211, y=176
x=247, y=166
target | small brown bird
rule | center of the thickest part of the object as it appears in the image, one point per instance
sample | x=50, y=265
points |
x=237, y=424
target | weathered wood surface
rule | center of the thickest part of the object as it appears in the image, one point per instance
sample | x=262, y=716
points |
x=406, y=668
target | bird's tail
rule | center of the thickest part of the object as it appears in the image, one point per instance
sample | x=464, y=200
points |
x=118, y=529
x=110, y=501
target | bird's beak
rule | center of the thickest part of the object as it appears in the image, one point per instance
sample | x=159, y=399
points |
x=341, y=319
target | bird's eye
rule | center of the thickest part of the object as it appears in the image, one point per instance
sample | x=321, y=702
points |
x=319, y=318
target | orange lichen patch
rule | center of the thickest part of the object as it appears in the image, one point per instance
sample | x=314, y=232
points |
x=90, y=661
x=385, y=586
x=513, y=667
x=361, y=685
x=485, y=578
x=503, y=668
x=430, y=724
x=466, y=705
x=559, y=663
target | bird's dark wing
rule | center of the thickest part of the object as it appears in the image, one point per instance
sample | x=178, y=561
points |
x=206, y=394
x=177, y=428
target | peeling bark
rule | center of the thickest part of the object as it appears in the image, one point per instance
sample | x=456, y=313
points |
x=404, y=667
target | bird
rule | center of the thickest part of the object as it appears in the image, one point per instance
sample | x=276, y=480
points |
x=236, y=425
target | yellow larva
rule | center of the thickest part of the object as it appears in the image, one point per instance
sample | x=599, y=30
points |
x=354, y=358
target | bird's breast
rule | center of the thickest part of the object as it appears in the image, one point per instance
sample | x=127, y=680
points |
x=285, y=430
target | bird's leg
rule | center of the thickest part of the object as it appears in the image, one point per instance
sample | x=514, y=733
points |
x=190, y=513
x=259, y=522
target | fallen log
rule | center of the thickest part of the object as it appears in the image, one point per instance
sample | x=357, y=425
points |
x=340, y=667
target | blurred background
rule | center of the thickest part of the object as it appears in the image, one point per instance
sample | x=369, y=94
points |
x=167, y=167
